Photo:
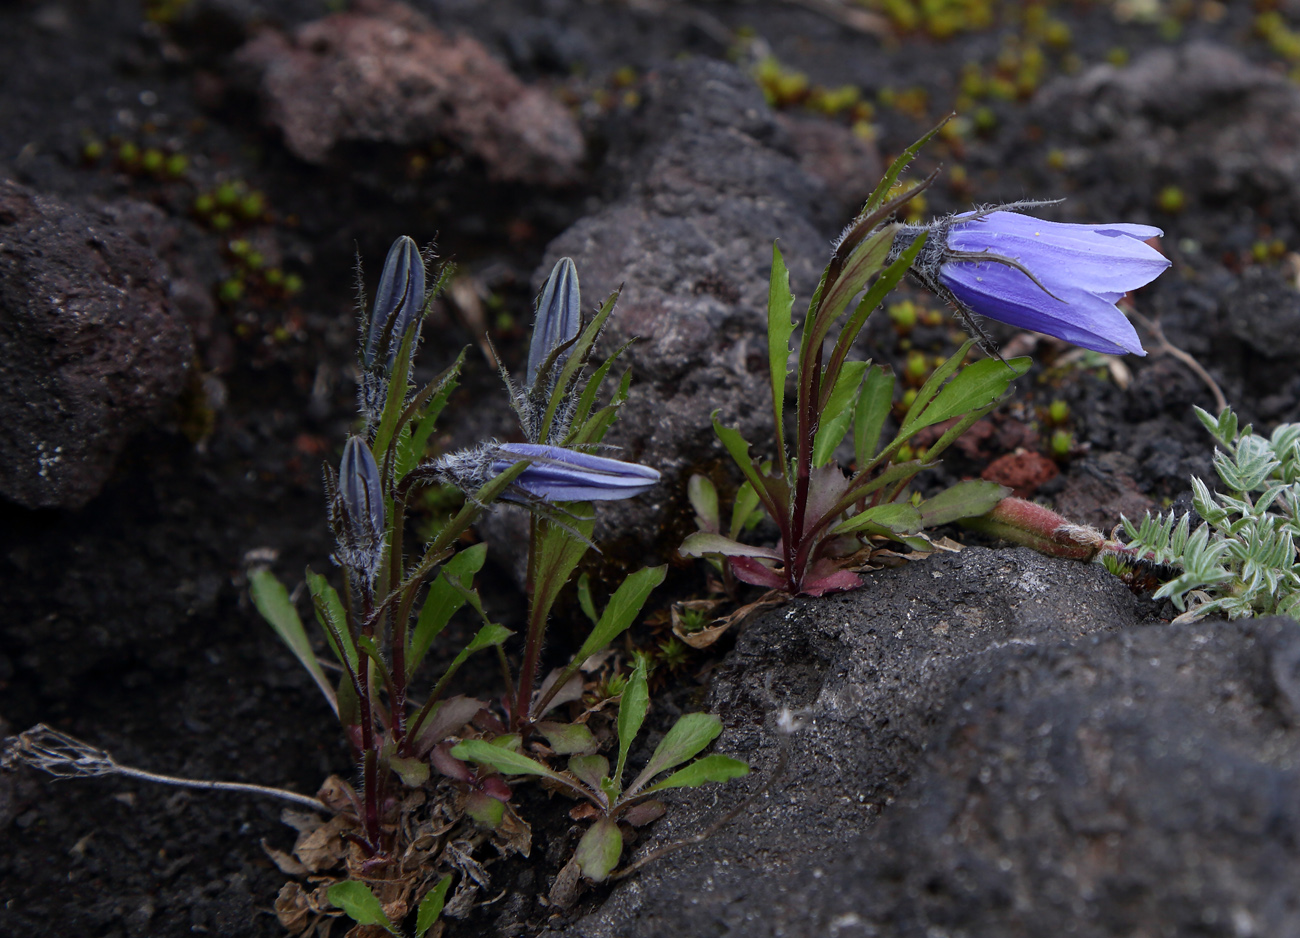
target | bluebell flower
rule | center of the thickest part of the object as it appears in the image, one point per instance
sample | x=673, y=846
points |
x=554, y=474
x=1049, y=277
x=559, y=316
x=356, y=502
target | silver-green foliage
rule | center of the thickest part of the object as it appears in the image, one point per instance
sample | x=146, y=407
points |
x=1242, y=561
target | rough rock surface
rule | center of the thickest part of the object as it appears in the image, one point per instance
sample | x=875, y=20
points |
x=708, y=177
x=1047, y=766
x=91, y=348
x=871, y=674
x=383, y=74
x=1200, y=115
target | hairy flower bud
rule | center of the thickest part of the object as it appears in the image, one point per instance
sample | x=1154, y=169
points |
x=1049, y=277
x=399, y=301
x=559, y=316
x=554, y=474
x=357, y=509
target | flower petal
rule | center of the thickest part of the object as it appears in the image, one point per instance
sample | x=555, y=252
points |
x=565, y=475
x=1097, y=258
x=1087, y=319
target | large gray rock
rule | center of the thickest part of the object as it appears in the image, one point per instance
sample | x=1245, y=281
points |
x=871, y=674
x=994, y=747
x=708, y=178
x=91, y=348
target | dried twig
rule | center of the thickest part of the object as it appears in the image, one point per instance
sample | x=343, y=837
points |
x=1164, y=345
x=64, y=756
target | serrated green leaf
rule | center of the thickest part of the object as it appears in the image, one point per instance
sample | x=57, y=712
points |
x=599, y=849
x=700, y=543
x=442, y=602
x=689, y=735
x=567, y=738
x=838, y=413
x=704, y=499
x=977, y=385
x=632, y=708
x=780, y=301
x=332, y=618
x=890, y=519
x=712, y=768
x=504, y=760
x=431, y=906
x=360, y=904
x=272, y=601
x=873, y=408
x=963, y=500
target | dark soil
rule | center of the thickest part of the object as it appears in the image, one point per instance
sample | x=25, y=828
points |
x=127, y=623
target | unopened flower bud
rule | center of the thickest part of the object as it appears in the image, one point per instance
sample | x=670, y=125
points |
x=559, y=316
x=357, y=509
x=399, y=302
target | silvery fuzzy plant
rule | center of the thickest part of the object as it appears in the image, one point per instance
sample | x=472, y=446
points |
x=1060, y=279
x=1242, y=561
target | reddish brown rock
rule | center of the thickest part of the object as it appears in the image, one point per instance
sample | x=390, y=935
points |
x=383, y=74
x=91, y=348
x=1024, y=471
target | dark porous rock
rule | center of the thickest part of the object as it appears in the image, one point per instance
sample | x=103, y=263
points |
x=1200, y=116
x=1145, y=783
x=1264, y=310
x=91, y=349
x=870, y=675
x=708, y=179
x=383, y=74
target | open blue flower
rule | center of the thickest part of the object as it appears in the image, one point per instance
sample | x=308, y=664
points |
x=1054, y=278
x=556, y=474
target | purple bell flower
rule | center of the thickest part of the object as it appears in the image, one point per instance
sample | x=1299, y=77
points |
x=1049, y=277
x=557, y=474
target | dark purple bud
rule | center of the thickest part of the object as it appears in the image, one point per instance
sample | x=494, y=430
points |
x=559, y=315
x=399, y=302
x=357, y=510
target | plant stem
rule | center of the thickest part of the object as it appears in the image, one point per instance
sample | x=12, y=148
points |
x=536, y=630
x=370, y=765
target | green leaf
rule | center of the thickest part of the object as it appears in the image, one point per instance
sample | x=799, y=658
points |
x=964, y=500
x=333, y=619
x=576, y=361
x=700, y=544
x=588, y=398
x=838, y=412
x=568, y=738
x=484, y=810
x=558, y=553
x=431, y=906
x=873, y=408
x=413, y=442
x=780, y=301
x=712, y=768
x=889, y=519
x=599, y=850
x=413, y=772
x=398, y=387
x=704, y=499
x=272, y=601
x=743, y=509
x=739, y=449
x=584, y=599
x=632, y=708
x=688, y=736
x=624, y=606
x=356, y=899
x=592, y=770
x=976, y=385
x=931, y=387
x=598, y=424
x=896, y=168
x=506, y=761
x=863, y=263
x=442, y=602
